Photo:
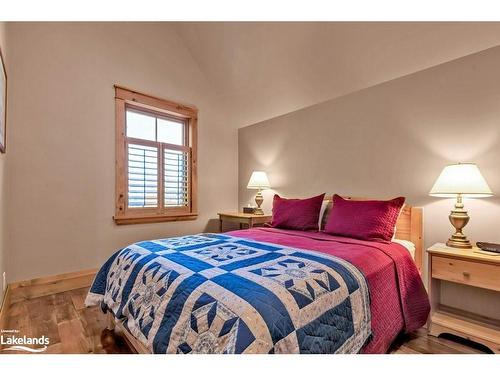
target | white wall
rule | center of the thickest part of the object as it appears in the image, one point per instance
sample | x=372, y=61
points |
x=60, y=175
x=267, y=69
x=388, y=140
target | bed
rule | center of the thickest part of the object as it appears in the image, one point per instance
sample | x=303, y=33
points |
x=266, y=290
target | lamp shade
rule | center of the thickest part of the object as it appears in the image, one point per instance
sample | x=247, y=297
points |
x=258, y=180
x=462, y=178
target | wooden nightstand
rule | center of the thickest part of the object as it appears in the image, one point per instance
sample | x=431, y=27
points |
x=249, y=220
x=469, y=268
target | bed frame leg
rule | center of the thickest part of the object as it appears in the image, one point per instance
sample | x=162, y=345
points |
x=111, y=322
x=109, y=337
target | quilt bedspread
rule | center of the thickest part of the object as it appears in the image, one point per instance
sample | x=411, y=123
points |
x=398, y=299
x=212, y=293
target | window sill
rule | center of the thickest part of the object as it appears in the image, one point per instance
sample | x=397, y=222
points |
x=154, y=219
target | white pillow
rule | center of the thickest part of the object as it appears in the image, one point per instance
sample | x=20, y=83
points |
x=324, y=206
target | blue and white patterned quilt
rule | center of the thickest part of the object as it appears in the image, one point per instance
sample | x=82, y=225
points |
x=212, y=293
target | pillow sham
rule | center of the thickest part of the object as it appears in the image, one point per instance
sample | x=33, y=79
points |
x=298, y=214
x=365, y=220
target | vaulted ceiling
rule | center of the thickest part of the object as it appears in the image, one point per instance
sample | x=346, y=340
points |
x=263, y=70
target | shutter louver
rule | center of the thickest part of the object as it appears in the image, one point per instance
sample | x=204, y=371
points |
x=175, y=178
x=142, y=176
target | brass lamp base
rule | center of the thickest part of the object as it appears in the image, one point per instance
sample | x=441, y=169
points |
x=259, y=199
x=258, y=211
x=459, y=219
x=461, y=243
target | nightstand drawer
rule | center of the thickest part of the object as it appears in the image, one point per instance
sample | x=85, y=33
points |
x=466, y=272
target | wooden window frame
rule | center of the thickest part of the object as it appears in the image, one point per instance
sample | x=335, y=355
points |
x=126, y=98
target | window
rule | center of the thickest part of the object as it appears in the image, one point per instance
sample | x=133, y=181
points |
x=155, y=159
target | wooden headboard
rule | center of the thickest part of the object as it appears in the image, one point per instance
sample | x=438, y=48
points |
x=408, y=227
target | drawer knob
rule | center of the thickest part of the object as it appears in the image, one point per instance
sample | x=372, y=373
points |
x=466, y=274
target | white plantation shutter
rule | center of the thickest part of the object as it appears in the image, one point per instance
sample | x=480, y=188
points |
x=142, y=176
x=175, y=178
x=156, y=159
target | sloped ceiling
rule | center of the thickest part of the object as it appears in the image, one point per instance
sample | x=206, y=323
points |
x=263, y=70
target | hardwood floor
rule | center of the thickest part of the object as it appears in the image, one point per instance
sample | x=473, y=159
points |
x=72, y=328
x=63, y=318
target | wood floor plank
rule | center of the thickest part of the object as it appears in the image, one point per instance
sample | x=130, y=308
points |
x=73, y=338
x=426, y=345
x=63, y=307
x=42, y=316
x=73, y=328
x=17, y=308
x=55, y=349
x=458, y=345
x=19, y=321
x=405, y=350
x=18, y=318
x=78, y=298
x=93, y=322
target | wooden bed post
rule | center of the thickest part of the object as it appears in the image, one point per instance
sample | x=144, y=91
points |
x=416, y=235
x=111, y=322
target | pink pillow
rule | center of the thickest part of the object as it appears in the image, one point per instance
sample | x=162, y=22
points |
x=298, y=214
x=364, y=220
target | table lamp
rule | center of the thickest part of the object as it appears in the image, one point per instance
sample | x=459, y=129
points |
x=258, y=180
x=459, y=181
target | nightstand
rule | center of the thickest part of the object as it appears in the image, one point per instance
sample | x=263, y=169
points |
x=248, y=220
x=463, y=266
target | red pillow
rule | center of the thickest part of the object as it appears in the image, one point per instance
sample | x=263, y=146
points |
x=299, y=214
x=364, y=220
